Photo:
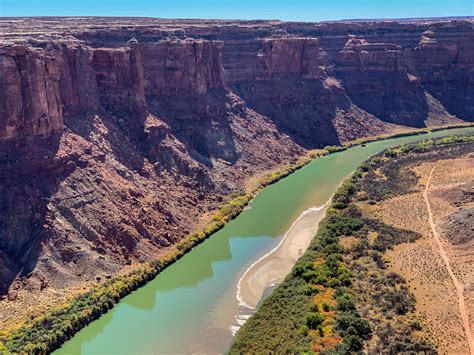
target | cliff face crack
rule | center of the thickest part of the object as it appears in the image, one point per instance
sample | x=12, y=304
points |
x=459, y=287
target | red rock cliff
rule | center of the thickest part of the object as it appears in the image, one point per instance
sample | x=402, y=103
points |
x=41, y=85
x=262, y=59
x=30, y=99
x=174, y=67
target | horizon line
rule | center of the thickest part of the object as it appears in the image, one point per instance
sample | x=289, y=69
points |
x=464, y=17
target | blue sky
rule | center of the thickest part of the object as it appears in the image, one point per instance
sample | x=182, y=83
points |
x=295, y=10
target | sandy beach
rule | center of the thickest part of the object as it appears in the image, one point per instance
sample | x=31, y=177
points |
x=272, y=268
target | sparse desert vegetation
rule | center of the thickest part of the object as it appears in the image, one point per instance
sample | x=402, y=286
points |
x=347, y=296
x=450, y=197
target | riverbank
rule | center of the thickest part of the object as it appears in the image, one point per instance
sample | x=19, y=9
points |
x=272, y=268
x=49, y=331
x=344, y=272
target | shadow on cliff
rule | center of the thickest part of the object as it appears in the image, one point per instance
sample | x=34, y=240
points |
x=30, y=175
x=200, y=122
x=302, y=109
x=124, y=134
x=456, y=97
x=390, y=97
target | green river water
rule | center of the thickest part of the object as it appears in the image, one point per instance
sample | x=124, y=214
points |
x=191, y=306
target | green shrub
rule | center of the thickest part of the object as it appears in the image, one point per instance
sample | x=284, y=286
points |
x=342, y=196
x=351, y=320
x=303, y=268
x=303, y=330
x=314, y=320
x=416, y=325
x=343, y=225
x=345, y=303
x=352, y=343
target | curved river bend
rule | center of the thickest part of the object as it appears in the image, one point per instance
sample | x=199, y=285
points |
x=191, y=307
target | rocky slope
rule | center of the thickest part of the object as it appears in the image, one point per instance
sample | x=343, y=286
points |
x=117, y=135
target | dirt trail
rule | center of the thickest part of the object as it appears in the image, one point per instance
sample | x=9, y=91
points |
x=444, y=256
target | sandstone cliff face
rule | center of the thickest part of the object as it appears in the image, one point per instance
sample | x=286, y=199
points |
x=115, y=139
x=410, y=60
x=78, y=83
x=192, y=66
x=286, y=79
x=120, y=81
x=41, y=85
x=445, y=67
x=30, y=96
x=376, y=78
x=263, y=59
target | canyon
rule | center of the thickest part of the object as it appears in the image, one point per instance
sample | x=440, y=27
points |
x=118, y=136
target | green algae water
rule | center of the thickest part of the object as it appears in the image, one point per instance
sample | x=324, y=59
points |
x=191, y=307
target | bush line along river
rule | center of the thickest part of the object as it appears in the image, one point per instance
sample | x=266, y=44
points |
x=192, y=306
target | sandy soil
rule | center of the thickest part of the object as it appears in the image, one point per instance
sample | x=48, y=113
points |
x=272, y=268
x=451, y=196
x=440, y=274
